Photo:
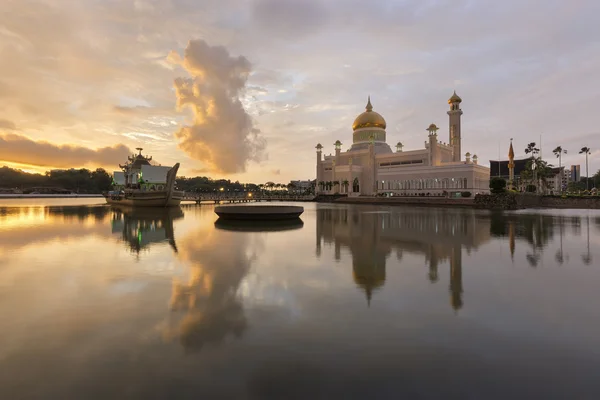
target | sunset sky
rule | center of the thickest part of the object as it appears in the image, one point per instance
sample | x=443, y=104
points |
x=245, y=89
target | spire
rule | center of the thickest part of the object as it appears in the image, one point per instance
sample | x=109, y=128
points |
x=511, y=152
x=369, y=107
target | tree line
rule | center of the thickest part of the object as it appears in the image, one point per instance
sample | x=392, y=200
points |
x=74, y=180
x=98, y=181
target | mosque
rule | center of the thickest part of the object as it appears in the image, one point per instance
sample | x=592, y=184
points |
x=370, y=167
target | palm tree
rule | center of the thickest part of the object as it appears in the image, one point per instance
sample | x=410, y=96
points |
x=586, y=150
x=531, y=149
x=558, y=152
x=533, y=164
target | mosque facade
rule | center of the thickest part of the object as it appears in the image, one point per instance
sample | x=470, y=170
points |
x=370, y=167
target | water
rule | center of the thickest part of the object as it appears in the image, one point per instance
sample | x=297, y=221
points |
x=354, y=302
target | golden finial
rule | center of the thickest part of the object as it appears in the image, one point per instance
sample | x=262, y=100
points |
x=511, y=152
x=369, y=107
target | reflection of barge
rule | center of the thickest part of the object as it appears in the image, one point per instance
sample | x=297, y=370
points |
x=141, y=184
x=141, y=227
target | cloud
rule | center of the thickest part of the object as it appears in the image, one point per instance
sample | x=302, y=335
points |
x=20, y=149
x=222, y=136
x=131, y=110
x=8, y=125
x=276, y=171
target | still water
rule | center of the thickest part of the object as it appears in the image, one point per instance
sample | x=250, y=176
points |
x=354, y=302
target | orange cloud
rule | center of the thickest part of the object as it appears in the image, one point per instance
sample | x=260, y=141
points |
x=21, y=149
x=223, y=135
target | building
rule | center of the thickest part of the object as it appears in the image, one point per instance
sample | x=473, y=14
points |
x=556, y=181
x=370, y=167
x=302, y=186
x=575, y=173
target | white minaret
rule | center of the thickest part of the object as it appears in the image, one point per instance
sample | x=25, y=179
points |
x=454, y=114
x=319, y=166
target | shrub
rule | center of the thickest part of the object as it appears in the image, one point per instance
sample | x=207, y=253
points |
x=465, y=194
x=497, y=185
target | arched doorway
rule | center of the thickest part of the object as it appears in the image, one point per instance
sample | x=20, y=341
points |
x=355, y=186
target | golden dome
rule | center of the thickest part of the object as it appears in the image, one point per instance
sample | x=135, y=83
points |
x=454, y=99
x=369, y=119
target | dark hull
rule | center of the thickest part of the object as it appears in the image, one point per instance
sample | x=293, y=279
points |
x=146, y=199
x=258, y=213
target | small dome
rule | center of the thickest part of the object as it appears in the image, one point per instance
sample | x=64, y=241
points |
x=369, y=119
x=432, y=127
x=454, y=99
x=319, y=146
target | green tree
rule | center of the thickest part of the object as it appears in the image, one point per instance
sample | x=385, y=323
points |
x=497, y=185
x=586, y=150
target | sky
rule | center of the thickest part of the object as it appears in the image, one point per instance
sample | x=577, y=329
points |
x=245, y=89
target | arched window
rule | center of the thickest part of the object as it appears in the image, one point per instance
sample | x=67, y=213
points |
x=355, y=185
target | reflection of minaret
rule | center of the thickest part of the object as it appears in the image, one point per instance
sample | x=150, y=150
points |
x=456, y=288
x=511, y=239
x=433, y=266
x=320, y=222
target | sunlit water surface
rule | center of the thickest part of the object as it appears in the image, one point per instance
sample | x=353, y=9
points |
x=354, y=302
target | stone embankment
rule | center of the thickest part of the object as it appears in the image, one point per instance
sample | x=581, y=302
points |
x=516, y=201
x=504, y=201
x=409, y=201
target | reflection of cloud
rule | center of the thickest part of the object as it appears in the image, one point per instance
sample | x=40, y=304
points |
x=209, y=303
x=20, y=149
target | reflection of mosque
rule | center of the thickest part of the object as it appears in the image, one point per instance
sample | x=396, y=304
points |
x=372, y=236
x=142, y=227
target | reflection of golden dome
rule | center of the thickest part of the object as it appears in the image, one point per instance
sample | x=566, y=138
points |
x=454, y=99
x=369, y=119
x=369, y=278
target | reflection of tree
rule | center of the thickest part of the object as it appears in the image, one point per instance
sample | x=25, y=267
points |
x=372, y=235
x=142, y=227
x=587, y=257
x=537, y=230
x=208, y=305
x=79, y=212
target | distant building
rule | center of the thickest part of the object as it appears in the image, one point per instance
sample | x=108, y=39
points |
x=500, y=168
x=575, y=173
x=302, y=186
x=556, y=182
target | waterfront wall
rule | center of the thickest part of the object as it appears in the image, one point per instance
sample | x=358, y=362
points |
x=515, y=201
x=411, y=201
x=589, y=202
